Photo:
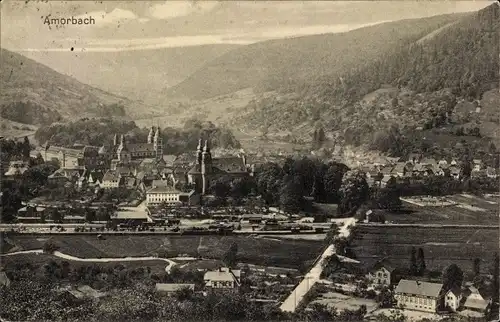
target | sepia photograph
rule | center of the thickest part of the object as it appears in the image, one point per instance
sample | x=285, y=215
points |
x=219, y=161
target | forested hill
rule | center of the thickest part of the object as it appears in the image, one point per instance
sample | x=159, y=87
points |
x=416, y=86
x=34, y=93
x=266, y=65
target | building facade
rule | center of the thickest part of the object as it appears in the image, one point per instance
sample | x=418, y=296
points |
x=419, y=296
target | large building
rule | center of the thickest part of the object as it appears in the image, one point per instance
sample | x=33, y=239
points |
x=224, y=277
x=208, y=169
x=419, y=296
x=125, y=152
x=161, y=192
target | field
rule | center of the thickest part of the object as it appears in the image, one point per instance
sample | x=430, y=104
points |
x=344, y=302
x=283, y=253
x=470, y=210
x=37, y=260
x=442, y=246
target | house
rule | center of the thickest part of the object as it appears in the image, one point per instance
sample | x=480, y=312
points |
x=452, y=299
x=418, y=295
x=443, y=163
x=224, y=277
x=166, y=194
x=381, y=273
x=439, y=171
x=491, y=172
x=30, y=214
x=16, y=168
x=172, y=287
x=474, y=301
x=429, y=161
x=418, y=170
x=399, y=170
x=476, y=164
x=112, y=179
x=454, y=172
x=414, y=158
x=385, y=180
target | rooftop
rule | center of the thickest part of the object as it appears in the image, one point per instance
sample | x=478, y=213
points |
x=419, y=288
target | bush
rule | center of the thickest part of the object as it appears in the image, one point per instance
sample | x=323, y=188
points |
x=49, y=247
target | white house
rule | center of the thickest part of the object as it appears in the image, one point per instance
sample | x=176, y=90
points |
x=112, y=179
x=419, y=296
x=475, y=301
x=381, y=273
x=223, y=278
x=452, y=299
x=166, y=194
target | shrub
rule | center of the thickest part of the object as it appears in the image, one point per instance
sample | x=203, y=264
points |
x=49, y=247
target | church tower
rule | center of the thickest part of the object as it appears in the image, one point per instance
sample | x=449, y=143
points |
x=206, y=166
x=199, y=152
x=122, y=152
x=115, y=140
x=158, y=144
x=151, y=135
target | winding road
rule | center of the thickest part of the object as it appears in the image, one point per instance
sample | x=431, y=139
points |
x=170, y=262
x=313, y=276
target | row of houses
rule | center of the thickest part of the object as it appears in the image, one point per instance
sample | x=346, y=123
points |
x=429, y=297
x=223, y=278
x=380, y=175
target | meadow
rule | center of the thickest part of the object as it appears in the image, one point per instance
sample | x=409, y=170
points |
x=442, y=246
x=267, y=252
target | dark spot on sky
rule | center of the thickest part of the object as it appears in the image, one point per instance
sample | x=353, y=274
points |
x=21, y=63
x=72, y=48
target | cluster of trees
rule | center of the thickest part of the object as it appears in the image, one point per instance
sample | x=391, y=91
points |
x=318, y=138
x=85, y=131
x=14, y=150
x=101, y=131
x=29, y=113
x=287, y=185
x=27, y=185
x=109, y=111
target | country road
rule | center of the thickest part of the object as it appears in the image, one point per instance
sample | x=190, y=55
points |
x=313, y=276
x=170, y=262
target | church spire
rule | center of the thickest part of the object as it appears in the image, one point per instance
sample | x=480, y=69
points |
x=206, y=148
x=151, y=134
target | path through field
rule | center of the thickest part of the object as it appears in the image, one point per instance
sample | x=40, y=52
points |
x=170, y=262
x=313, y=276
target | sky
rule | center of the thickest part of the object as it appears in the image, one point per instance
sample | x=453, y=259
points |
x=144, y=25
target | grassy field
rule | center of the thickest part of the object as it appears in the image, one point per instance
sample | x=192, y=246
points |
x=38, y=260
x=442, y=246
x=285, y=253
x=471, y=210
x=345, y=302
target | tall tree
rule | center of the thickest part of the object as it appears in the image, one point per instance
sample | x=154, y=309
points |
x=413, y=262
x=420, y=262
x=291, y=199
x=354, y=192
x=453, y=277
x=496, y=275
x=476, y=266
x=230, y=256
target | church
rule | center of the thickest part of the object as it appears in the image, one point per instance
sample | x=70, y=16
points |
x=207, y=169
x=126, y=153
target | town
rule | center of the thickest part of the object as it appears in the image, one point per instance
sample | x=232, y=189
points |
x=215, y=209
